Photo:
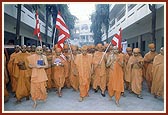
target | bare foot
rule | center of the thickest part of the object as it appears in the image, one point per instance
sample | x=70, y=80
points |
x=44, y=100
x=59, y=94
x=103, y=94
x=18, y=102
x=35, y=105
x=80, y=99
x=117, y=103
x=110, y=98
x=27, y=98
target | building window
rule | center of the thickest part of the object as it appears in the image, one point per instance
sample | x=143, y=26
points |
x=162, y=42
x=84, y=27
x=141, y=7
x=86, y=38
x=41, y=17
x=29, y=7
x=121, y=14
x=131, y=6
x=143, y=45
x=49, y=21
x=133, y=45
x=112, y=23
x=49, y=24
x=128, y=45
x=136, y=44
x=83, y=38
x=91, y=39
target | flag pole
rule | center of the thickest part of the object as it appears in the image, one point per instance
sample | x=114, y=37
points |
x=102, y=57
x=104, y=53
x=54, y=36
x=39, y=36
x=55, y=27
x=70, y=49
x=41, y=42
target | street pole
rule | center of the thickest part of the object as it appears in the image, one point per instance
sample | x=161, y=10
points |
x=18, y=21
x=153, y=10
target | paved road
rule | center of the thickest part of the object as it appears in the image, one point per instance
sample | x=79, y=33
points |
x=94, y=103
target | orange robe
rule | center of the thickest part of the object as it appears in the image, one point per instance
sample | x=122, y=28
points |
x=67, y=70
x=149, y=56
x=13, y=70
x=84, y=63
x=116, y=81
x=23, y=78
x=99, y=71
x=59, y=72
x=74, y=79
x=6, y=79
x=92, y=76
x=49, y=72
x=127, y=71
x=158, y=76
x=136, y=74
x=107, y=68
x=38, y=79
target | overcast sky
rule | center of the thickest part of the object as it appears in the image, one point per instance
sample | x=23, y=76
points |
x=82, y=10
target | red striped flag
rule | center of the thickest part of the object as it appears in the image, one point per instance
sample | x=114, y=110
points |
x=63, y=30
x=61, y=39
x=37, y=28
x=117, y=39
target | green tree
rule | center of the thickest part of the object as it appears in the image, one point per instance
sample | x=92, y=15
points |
x=67, y=16
x=99, y=18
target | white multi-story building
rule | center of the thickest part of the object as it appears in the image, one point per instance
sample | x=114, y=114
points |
x=135, y=20
x=27, y=25
x=82, y=34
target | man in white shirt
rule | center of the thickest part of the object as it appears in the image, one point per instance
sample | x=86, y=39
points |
x=124, y=46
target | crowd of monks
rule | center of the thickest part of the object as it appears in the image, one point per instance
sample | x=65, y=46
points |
x=33, y=71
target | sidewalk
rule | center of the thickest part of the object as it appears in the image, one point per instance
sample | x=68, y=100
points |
x=94, y=103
